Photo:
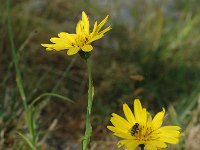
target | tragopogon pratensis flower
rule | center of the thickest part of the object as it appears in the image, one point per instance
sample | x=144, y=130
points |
x=81, y=40
x=139, y=129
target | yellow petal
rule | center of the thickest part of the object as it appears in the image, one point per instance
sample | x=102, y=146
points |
x=87, y=48
x=157, y=144
x=169, y=134
x=48, y=46
x=158, y=119
x=129, y=144
x=94, y=29
x=63, y=35
x=120, y=133
x=100, y=25
x=137, y=110
x=149, y=118
x=94, y=38
x=172, y=133
x=129, y=115
x=127, y=136
x=149, y=146
x=143, y=119
x=105, y=30
x=116, y=130
x=85, y=22
x=60, y=41
x=56, y=40
x=61, y=46
x=67, y=38
x=120, y=122
x=171, y=140
x=73, y=50
x=49, y=49
x=169, y=128
x=79, y=27
x=57, y=47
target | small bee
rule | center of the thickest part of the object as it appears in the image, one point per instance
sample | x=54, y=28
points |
x=134, y=129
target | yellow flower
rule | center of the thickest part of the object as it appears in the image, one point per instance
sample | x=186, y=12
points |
x=139, y=129
x=81, y=40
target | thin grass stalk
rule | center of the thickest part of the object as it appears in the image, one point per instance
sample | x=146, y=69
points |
x=1, y=15
x=30, y=120
x=88, y=130
x=14, y=56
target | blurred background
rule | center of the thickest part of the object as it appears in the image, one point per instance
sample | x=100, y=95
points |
x=151, y=53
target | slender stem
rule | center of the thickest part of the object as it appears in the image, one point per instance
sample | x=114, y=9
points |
x=14, y=56
x=88, y=130
x=142, y=146
x=30, y=120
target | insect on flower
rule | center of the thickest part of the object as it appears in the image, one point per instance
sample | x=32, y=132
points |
x=135, y=129
x=140, y=129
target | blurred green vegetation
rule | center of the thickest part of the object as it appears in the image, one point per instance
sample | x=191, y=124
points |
x=152, y=53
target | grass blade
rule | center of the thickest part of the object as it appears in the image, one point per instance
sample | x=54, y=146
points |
x=51, y=94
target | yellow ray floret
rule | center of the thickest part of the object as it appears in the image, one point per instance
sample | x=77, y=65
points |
x=140, y=129
x=83, y=38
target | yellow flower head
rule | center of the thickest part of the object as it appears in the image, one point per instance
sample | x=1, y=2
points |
x=140, y=129
x=81, y=40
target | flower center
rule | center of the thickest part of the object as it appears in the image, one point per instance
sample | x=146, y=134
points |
x=81, y=40
x=142, y=133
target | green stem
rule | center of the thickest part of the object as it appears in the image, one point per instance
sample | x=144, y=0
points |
x=14, y=56
x=30, y=120
x=88, y=130
x=142, y=146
